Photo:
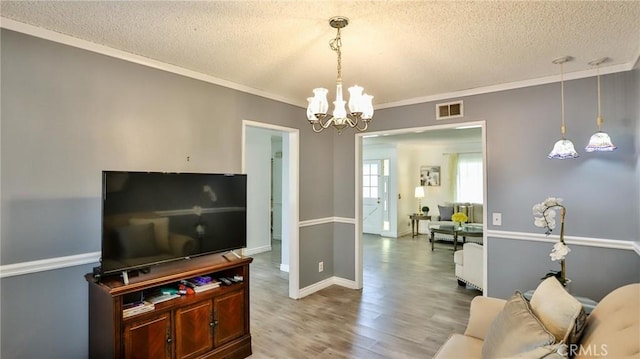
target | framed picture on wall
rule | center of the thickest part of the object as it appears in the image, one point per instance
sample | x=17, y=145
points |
x=430, y=175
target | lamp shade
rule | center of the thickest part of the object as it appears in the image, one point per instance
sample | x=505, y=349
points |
x=419, y=192
x=563, y=149
x=600, y=142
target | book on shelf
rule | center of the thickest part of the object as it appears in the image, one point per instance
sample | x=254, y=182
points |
x=162, y=297
x=137, y=308
x=201, y=286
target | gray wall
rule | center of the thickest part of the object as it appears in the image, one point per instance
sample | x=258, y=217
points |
x=600, y=190
x=67, y=114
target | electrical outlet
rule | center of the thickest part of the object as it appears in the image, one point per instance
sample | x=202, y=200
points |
x=497, y=219
x=320, y=266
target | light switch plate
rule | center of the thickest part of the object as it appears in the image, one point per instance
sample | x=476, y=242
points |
x=497, y=219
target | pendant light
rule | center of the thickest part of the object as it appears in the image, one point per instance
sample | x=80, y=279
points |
x=600, y=141
x=563, y=148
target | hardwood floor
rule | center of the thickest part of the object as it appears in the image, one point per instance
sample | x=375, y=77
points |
x=409, y=306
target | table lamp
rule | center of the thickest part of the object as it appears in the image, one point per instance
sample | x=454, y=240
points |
x=419, y=194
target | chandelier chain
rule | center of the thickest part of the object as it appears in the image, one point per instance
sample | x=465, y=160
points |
x=335, y=45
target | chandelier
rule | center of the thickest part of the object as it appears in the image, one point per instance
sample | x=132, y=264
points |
x=360, y=105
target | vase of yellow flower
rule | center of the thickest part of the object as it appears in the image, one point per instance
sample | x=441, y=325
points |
x=459, y=218
x=545, y=216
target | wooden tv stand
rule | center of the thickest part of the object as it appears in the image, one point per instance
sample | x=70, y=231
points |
x=209, y=324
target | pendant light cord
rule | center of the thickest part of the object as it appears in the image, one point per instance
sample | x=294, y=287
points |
x=563, y=128
x=599, y=119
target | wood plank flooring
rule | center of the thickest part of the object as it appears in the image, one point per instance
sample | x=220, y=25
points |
x=409, y=306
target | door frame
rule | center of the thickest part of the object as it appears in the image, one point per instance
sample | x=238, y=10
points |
x=358, y=260
x=290, y=195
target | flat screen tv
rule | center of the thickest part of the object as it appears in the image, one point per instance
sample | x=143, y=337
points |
x=150, y=218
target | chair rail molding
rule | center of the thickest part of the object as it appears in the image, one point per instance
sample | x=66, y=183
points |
x=574, y=240
x=41, y=265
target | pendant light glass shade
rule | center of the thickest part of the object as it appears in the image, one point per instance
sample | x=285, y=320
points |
x=563, y=148
x=600, y=141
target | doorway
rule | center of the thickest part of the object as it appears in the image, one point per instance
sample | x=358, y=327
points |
x=260, y=144
x=402, y=182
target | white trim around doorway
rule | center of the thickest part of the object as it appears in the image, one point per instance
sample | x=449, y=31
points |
x=290, y=197
x=358, y=184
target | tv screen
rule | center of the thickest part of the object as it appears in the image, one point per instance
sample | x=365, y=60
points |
x=153, y=217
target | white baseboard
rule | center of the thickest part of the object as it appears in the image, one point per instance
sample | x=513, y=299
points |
x=284, y=267
x=326, y=220
x=325, y=284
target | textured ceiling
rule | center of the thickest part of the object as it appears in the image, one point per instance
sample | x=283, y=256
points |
x=398, y=50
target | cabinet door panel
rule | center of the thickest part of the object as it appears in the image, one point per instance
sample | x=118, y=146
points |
x=229, y=314
x=148, y=339
x=194, y=330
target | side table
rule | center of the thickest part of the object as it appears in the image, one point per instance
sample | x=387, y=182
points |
x=415, y=222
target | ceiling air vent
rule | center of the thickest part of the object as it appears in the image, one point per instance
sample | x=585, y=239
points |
x=445, y=111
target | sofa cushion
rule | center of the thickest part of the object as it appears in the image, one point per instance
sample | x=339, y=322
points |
x=613, y=327
x=160, y=230
x=460, y=346
x=515, y=330
x=477, y=212
x=559, y=311
x=445, y=212
x=554, y=351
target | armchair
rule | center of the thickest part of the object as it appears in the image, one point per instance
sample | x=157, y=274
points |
x=469, y=265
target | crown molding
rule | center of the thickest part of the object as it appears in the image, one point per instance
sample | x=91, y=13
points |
x=42, y=33
x=35, y=31
x=508, y=86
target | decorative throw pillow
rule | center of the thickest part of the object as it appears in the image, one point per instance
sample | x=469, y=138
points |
x=137, y=240
x=445, y=212
x=559, y=311
x=160, y=230
x=515, y=330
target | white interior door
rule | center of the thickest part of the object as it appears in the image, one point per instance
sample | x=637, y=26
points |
x=371, y=196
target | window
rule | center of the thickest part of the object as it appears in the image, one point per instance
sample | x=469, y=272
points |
x=370, y=180
x=469, y=178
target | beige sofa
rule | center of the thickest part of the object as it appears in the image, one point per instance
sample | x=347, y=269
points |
x=474, y=212
x=612, y=329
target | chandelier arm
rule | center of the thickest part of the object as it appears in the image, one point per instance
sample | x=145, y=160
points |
x=352, y=121
x=324, y=125
x=317, y=129
x=362, y=129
